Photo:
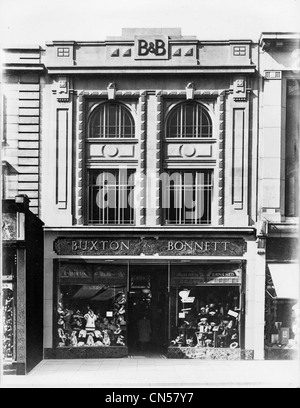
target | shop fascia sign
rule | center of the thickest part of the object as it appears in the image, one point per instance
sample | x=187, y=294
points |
x=151, y=47
x=150, y=246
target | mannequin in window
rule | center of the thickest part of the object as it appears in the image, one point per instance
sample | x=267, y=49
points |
x=90, y=318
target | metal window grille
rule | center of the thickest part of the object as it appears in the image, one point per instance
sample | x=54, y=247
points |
x=189, y=120
x=63, y=52
x=239, y=51
x=187, y=197
x=111, y=120
x=110, y=197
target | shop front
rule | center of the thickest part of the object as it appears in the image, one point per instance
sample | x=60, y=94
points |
x=22, y=287
x=114, y=297
x=282, y=298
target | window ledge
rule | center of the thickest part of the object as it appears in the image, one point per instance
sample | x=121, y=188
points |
x=189, y=140
x=118, y=140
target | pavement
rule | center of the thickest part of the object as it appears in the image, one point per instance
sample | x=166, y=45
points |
x=158, y=372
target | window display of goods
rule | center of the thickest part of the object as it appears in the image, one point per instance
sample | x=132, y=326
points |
x=97, y=320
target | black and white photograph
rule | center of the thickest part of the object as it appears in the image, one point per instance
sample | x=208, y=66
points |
x=150, y=196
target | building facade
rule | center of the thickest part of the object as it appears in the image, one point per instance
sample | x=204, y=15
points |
x=163, y=170
x=279, y=189
x=22, y=286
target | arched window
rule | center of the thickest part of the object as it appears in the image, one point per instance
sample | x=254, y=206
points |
x=111, y=120
x=189, y=120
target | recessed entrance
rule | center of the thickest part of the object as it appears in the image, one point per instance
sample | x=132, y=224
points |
x=148, y=309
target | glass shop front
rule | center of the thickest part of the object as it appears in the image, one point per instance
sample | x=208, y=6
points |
x=155, y=308
x=9, y=304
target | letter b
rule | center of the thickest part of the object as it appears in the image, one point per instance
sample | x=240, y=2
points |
x=143, y=47
x=160, y=47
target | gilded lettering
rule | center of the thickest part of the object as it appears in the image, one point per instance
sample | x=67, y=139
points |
x=114, y=245
x=179, y=246
x=207, y=246
x=123, y=245
x=104, y=245
x=83, y=247
x=198, y=246
x=188, y=246
x=94, y=246
x=170, y=246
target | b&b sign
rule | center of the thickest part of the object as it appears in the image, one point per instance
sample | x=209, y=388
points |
x=151, y=47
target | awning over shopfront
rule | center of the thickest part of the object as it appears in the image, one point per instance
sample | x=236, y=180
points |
x=285, y=279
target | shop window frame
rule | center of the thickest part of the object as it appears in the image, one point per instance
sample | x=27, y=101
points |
x=242, y=301
x=55, y=285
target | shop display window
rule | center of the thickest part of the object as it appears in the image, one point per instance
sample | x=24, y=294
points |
x=91, y=313
x=203, y=314
x=8, y=321
x=9, y=267
x=282, y=319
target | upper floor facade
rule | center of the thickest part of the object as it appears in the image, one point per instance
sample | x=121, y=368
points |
x=154, y=129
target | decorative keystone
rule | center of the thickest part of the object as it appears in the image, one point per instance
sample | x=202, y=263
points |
x=112, y=90
x=190, y=90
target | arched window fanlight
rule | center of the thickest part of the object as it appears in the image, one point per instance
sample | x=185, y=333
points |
x=111, y=120
x=189, y=120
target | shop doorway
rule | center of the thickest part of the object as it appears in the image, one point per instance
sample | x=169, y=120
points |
x=148, y=310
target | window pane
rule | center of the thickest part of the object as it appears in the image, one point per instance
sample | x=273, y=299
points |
x=187, y=197
x=93, y=314
x=189, y=120
x=205, y=316
x=189, y=130
x=110, y=197
x=111, y=120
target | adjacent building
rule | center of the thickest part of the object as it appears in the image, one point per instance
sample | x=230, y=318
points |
x=166, y=172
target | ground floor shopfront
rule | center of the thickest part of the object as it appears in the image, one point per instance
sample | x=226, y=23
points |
x=282, y=327
x=186, y=295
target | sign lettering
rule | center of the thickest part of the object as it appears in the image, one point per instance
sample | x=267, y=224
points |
x=151, y=47
x=150, y=246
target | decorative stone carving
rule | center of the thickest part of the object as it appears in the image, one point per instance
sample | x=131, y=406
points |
x=127, y=53
x=188, y=150
x=261, y=245
x=189, y=53
x=239, y=90
x=190, y=90
x=116, y=53
x=61, y=89
x=222, y=109
x=261, y=233
x=111, y=90
x=110, y=151
x=177, y=53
